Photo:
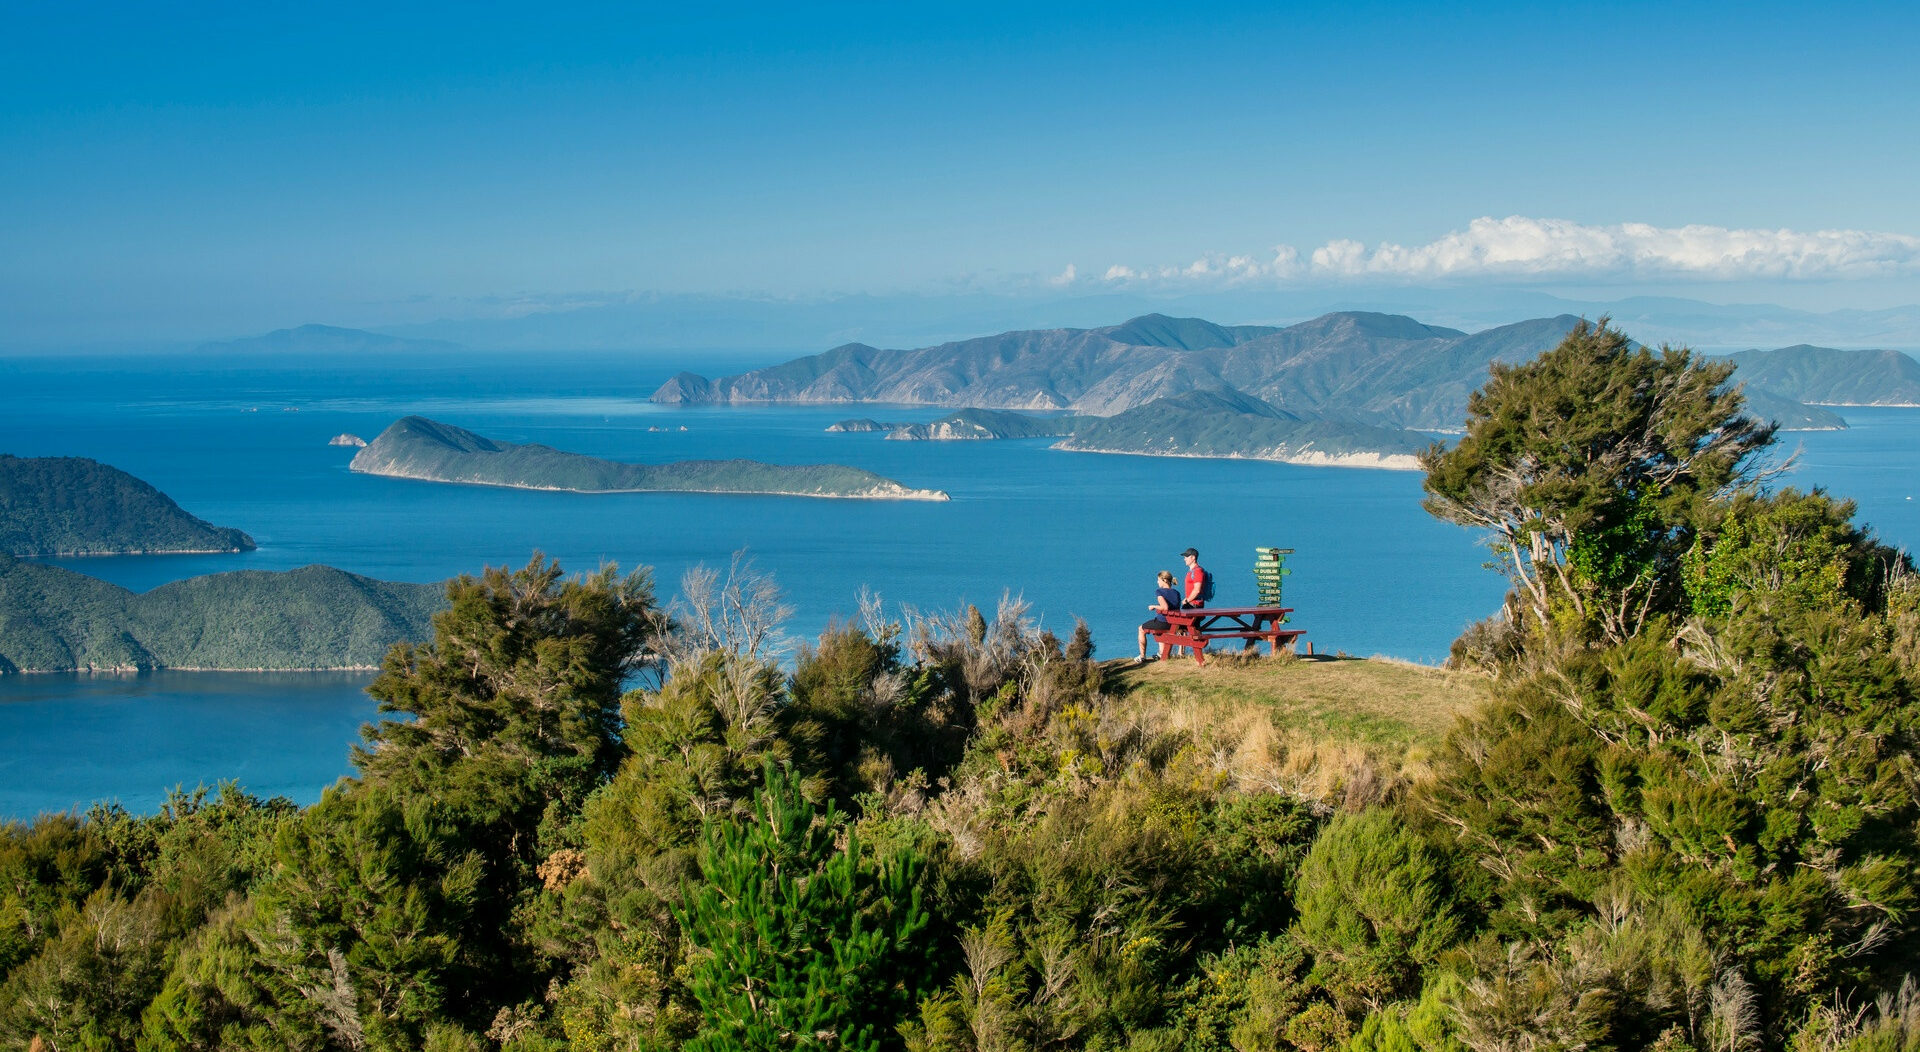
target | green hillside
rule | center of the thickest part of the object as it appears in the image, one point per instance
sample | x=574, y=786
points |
x=1228, y=424
x=417, y=448
x=1826, y=376
x=314, y=617
x=76, y=506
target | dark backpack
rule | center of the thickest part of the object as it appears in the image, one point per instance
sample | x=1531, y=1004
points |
x=1206, y=587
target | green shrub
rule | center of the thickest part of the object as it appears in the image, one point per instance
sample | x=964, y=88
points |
x=794, y=942
x=1801, y=547
x=1374, y=906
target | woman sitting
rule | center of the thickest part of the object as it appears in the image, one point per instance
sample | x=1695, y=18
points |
x=1165, y=598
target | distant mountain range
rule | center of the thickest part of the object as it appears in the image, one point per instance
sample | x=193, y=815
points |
x=415, y=447
x=1380, y=370
x=657, y=322
x=327, y=341
x=76, y=506
x=316, y=617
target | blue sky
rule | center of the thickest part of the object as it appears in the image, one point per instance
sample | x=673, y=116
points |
x=214, y=169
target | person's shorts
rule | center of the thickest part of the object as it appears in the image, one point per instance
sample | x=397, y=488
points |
x=1156, y=625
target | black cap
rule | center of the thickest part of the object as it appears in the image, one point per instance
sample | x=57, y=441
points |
x=1191, y=552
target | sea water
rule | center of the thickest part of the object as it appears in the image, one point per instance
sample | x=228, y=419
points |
x=243, y=443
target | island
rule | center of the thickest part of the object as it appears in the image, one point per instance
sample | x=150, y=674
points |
x=864, y=424
x=1231, y=425
x=976, y=424
x=415, y=447
x=60, y=506
x=327, y=341
x=316, y=617
x=1219, y=423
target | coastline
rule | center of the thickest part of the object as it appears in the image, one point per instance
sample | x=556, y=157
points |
x=930, y=495
x=1312, y=458
x=136, y=670
x=132, y=551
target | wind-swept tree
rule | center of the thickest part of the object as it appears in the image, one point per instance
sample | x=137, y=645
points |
x=519, y=689
x=1590, y=465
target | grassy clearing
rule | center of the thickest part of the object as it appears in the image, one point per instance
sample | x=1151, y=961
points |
x=1377, y=702
x=1320, y=726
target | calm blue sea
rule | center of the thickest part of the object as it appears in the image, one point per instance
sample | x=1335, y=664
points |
x=1077, y=535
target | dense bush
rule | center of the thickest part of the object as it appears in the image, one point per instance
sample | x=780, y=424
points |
x=955, y=838
x=1688, y=820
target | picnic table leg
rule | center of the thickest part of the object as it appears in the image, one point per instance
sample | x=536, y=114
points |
x=1165, y=647
x=1199, y=648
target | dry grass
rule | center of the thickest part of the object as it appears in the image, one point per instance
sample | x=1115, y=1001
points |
x=1342, y=731
x=1376, y=702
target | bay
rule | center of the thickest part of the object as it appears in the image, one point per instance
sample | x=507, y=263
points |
x=242, y=442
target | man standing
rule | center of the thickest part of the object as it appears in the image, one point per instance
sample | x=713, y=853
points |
x=1199, y=581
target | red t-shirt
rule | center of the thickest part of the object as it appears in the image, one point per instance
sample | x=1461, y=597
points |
x=1195, y=577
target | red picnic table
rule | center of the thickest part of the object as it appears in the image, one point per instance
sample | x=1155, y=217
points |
x=1195, y=628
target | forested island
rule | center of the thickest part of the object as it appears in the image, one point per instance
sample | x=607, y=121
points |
x=415, y=447
x=1666, y=800
x=316, y=617
x=1217, y=423
x=74, y=506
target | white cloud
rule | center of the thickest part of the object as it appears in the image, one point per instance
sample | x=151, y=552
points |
x=1065, y=277
x=1519, y=247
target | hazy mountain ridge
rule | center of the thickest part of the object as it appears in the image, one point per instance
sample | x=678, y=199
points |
x=688, y=321
x=1084, y=369
x=418, y=448
x=77, y=506
x=327, y=340
x=1376, y=367
x=1383, y=370
x=316, y=617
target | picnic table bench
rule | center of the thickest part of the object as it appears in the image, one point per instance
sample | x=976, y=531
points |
x=1195, y=628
